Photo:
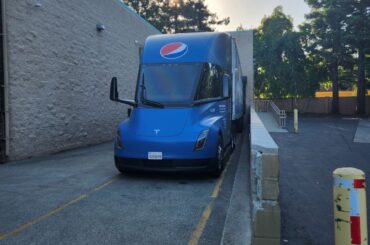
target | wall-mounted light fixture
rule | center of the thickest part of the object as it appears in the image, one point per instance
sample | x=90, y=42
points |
x=38, y=4
x=100, y=27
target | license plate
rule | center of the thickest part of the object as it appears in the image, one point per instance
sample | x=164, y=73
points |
x=155, y=155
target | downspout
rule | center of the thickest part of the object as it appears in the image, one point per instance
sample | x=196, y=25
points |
x=6, y=78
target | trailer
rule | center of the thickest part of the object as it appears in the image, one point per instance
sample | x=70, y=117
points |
x=189, y=101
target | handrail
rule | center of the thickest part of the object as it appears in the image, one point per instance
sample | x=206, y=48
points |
x=279, y=115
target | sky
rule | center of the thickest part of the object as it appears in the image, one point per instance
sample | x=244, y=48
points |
x=250, y=12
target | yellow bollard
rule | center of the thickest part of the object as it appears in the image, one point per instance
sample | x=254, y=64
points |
x=350, y=218
x=296, y=121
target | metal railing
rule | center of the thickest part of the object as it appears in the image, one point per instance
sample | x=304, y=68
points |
x=279, y=115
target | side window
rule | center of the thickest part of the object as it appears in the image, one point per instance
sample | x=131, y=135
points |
x=210, y=85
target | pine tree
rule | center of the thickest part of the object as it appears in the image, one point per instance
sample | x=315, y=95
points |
x=326, y=24
x=177, y=16
x=357, y=26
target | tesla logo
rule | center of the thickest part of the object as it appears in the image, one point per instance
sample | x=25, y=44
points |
x=156, y=131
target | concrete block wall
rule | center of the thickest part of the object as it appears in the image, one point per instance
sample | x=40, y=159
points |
x=59, y=71
x=266, y=219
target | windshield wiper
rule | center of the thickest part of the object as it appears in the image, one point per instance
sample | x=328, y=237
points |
x=146, y=101
x=152, y=103
x=205, y=101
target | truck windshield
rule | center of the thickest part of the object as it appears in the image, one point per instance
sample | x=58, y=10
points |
x=171, y=84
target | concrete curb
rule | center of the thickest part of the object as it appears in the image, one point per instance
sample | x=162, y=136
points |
x=264, y=172
x=237, y=229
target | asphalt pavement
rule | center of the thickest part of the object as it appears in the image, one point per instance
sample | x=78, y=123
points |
x=78, y=197
x=307, y=160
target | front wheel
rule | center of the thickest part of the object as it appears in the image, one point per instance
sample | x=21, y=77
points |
x=218, y=161
x=119, y=167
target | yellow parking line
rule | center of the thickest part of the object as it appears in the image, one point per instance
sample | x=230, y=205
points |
x=42, y=217
x=201, y=225
x=54, y=211
x=103, y=185
x=218, y=184
x=197, y=233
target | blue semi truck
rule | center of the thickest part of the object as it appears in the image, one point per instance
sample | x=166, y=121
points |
x=189, y=103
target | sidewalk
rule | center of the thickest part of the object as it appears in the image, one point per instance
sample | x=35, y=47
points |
x=363, y=132
x=270, y=123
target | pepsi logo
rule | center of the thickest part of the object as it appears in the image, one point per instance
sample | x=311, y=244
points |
x=174, y=50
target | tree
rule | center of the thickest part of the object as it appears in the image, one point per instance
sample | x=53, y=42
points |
x=155, y=12
x=177, y=16
x=240, y=28
x=197, y=17
x=357, y=26
x=281, y=69
x=325, y=26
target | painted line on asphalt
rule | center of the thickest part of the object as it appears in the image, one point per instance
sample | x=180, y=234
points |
x=217, y=188
x=103, y=185
x=201, y=225
x=42, y=217
x=55, y=211
x=197, y=233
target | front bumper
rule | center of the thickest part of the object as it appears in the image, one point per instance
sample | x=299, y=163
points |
x=179, y=147
x=165, y=165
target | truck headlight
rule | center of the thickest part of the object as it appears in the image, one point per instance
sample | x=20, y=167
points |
x=201, y=141
x=118, y=142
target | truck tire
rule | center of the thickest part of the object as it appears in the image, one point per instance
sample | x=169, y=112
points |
x=233, y=144
x=218, y=162
x=119, y=168
x=240, y=125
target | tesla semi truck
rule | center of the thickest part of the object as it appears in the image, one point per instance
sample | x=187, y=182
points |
x=189, y=101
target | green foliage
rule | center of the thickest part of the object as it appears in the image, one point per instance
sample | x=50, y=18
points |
x=326, y=34
x=331, y=50
x=282, y=68
x=357, y=26
x=175, y=16
x=338, y=32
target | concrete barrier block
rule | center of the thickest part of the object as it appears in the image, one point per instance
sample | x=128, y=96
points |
x=270, y=189
x=266, y=222
x=255, y=159
x=270, y=166
x=265, y=241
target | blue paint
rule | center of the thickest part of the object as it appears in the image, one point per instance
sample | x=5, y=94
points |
x=173, y=72
x=179, y=131
x=202, y=47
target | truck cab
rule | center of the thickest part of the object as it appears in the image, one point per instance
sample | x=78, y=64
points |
x=182, y=114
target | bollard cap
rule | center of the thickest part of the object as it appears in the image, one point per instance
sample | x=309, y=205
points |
x=349, y=173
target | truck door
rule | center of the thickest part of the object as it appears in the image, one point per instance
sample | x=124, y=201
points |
x=211, y=87
x=228, y=111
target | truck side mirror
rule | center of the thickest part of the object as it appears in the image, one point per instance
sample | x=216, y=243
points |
x=114, y=94
x=113, y=89
x=225, y=86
